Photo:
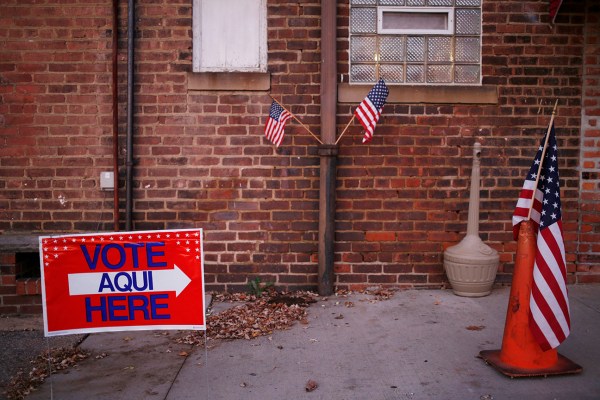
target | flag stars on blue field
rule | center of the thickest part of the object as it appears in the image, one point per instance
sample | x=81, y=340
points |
x=550, y=185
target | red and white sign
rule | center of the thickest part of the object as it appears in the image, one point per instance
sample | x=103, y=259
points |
x=123, y=281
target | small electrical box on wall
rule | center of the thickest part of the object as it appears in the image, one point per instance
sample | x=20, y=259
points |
x=107, y=181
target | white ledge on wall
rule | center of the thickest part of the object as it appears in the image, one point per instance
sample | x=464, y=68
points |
x=233, y=81
x=423, y=94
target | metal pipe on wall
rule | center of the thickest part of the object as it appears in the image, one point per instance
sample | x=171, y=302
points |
x=115, y=112
x=129, y=144
x=327, y=151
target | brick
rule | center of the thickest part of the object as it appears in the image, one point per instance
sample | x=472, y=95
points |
x=8, y=310
x=8, y=289
x=30, y=308
x=8, y=280
x=380, y=236
x=18, y=300
x=416, y=279
x=351, y=278
x=382, y=279
x=294, y=280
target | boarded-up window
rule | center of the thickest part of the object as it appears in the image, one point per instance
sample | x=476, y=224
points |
x=230, y=35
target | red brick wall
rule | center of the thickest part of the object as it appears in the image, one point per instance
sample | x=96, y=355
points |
x=588, y=262
x=404, y=198
x=55, y=114
x=201, y=159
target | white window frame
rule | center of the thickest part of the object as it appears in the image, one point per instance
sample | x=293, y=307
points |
x=422, y=10
x=218, y=28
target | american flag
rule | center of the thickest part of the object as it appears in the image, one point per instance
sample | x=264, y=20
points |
x=549, y=306
x=369, y=110
x=278, y=116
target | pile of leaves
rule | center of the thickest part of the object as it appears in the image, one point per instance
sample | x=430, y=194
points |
x=381, y=293
x=261, y=314
x=378, y=293
x=57, y=359
x=257, y=316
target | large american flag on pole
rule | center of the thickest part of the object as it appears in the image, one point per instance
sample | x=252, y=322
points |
x=549, y=306
x=278, y=116
x=369, y=110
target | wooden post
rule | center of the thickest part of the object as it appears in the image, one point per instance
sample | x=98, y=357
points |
x=377, y=59
x=328, y=150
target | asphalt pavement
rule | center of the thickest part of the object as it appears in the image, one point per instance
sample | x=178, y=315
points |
x=420, y=344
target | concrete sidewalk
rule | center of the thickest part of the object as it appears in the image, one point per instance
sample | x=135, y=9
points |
x=420, y=344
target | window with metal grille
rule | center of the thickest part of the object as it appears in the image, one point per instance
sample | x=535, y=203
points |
x=415, y=42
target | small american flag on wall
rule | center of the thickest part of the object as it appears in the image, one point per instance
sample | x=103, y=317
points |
x=278, y=116
x=369, y=110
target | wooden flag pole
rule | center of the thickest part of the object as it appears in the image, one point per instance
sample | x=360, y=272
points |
x=345, y=129
x=537, y=178
x=377, y=59
x=300, y=122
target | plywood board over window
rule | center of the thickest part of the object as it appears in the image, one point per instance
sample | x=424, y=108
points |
x=230, y=35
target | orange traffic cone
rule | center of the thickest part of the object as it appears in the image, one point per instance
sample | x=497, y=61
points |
x=521, y=355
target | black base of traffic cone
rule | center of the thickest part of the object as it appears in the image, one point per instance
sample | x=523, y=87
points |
x=561, y=367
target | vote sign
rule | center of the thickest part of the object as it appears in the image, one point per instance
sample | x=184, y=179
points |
x=122, y=281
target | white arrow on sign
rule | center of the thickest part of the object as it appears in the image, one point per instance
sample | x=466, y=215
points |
x=162, y=280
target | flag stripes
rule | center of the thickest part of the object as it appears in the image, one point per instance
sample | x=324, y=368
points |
x=521, y=212
x=549, y=292
x=368, y=116
x=369, y=110
x=274, y=129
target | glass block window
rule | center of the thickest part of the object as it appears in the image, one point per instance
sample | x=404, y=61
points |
x=415, y=42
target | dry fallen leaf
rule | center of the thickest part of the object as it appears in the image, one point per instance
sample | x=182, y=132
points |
x=382, y=294
x=475, y=327
x=311, y=385
x=183, y=353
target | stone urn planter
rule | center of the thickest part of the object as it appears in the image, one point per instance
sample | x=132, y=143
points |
x=471, y=265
